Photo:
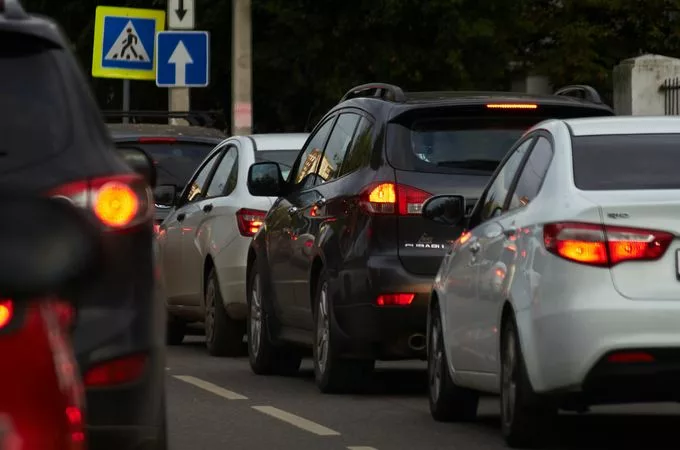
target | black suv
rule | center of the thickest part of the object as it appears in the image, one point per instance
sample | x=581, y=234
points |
x=344, y=262
x=55, y=144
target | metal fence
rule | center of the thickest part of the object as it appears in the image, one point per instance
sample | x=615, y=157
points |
x=671, y=96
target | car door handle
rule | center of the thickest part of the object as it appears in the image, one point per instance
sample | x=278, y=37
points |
x=207, y=208
x=292, y=210
x=474, y=247
x=180, y=217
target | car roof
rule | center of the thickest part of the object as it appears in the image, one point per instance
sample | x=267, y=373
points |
x=123, y=132
x=599, y=126
x=279, y=141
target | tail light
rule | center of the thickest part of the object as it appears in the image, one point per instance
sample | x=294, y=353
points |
x=74, y=418
x=249, y=221
x=630, y=357
x=115, y=372
x=157, y=140
x=395, y=299
x=390, y=198
x=512, y=106
x=6, y=312
x=119, y=202
x=603, y=245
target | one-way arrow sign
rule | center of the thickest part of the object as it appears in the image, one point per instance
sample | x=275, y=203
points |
x=182, y=59
x=181, y=14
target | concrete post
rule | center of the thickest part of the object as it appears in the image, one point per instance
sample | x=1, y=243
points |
x=241, y=74
x=533, y=84
x=637, y=82
x=178, y=101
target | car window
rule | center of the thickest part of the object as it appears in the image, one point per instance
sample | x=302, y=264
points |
x=311, y=155
x=224, y=180
x=284, y=158
x=197, y=187
x=359, y=154
x=337, y=145
x=533, y=173
x=498, y=191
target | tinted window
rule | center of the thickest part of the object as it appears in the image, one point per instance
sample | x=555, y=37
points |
x=626, y=162
x=284, y=158
x=175, y=163
x=224, y=180
x=533, y=173
x=311, y=156
x=497, y=193
x=359, y=154
x=341, y=137
x=198, y=184
x=37, y=119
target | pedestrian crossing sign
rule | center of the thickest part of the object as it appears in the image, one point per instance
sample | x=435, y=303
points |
x=124, y=42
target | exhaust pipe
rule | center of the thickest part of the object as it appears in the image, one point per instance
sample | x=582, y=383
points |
x=417, y=342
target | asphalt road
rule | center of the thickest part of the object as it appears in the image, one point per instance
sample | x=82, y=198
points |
x=217, y=403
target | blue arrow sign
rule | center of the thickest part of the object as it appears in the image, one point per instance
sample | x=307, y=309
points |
x=183, y=59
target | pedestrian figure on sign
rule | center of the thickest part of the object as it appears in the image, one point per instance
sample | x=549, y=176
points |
x=129, y=44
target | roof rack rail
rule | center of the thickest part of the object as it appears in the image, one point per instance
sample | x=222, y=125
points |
x=12, y=9
x=582, y=91
x=379, y=90
x=208, y=119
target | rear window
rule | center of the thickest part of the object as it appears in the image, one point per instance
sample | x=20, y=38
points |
x=175, y=162
x=37, y=117
x=284, y=158
x=626, y=162
x=467, y=139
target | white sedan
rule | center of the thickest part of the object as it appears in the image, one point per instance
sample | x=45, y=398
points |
x=203, y=242
x=565, y=291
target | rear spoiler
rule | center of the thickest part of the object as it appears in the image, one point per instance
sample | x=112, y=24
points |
x=208, y=119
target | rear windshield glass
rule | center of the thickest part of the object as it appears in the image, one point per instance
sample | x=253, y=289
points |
x=285, y=159
x=626, y=162
x=36, y=114
x=175, y=162
x=467, y=139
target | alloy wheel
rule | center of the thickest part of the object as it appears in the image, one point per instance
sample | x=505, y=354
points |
x=509, y=392
x=210, y=311
x=255, y=316
x=322, y=330
x=435, y=363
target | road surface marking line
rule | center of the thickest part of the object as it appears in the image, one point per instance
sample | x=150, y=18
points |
x=212, y=388
x=361, y=448
x=296, y=421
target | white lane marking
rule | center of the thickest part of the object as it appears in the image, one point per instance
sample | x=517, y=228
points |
x=361, y=448
x=212, y=388
x=296, y=421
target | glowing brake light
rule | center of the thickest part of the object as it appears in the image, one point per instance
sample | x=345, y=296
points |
x=391, y=198
x=118, y=201
x=395, y=299
x=157, y=140
x=6, y=312
x=603, y=245
x=118, y=371
x=249, y=221
x=511, y=106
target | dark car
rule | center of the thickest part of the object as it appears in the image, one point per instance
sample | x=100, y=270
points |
x=55, y=144
x=344, y=262
x=177, y=150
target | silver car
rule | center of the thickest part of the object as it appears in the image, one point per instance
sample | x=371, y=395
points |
x=565, y=291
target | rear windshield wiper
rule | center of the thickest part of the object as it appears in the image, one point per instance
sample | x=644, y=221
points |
x=473, y=164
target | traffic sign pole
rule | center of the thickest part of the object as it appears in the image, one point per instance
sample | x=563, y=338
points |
x=181, y=16
x=241, y=73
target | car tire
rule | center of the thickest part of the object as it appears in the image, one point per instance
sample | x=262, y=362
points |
x=448, y=402
x=526, y=417
x=176, y=329
x=332, y=373
x=223, y=335
x=266, y=358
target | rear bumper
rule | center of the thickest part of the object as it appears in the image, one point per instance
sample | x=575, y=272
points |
x=369, y=331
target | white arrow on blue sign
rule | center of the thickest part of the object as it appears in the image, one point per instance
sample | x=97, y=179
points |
x=182, y=59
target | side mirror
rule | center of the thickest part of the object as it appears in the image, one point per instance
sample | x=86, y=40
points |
x=165, y=195
x=265, y=180
x=445, y=209
x=48, y=248
x=140, y=162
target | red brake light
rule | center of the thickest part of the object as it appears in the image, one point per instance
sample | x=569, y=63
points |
x=395, y=299
x=249, y=221
x=157, y=140
x=391, y=198
x=512, y=106
x=119, y=202
x=6, y=312
x=118, y=371
x=630, y=357
x=74, y=417
x=603, y=245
